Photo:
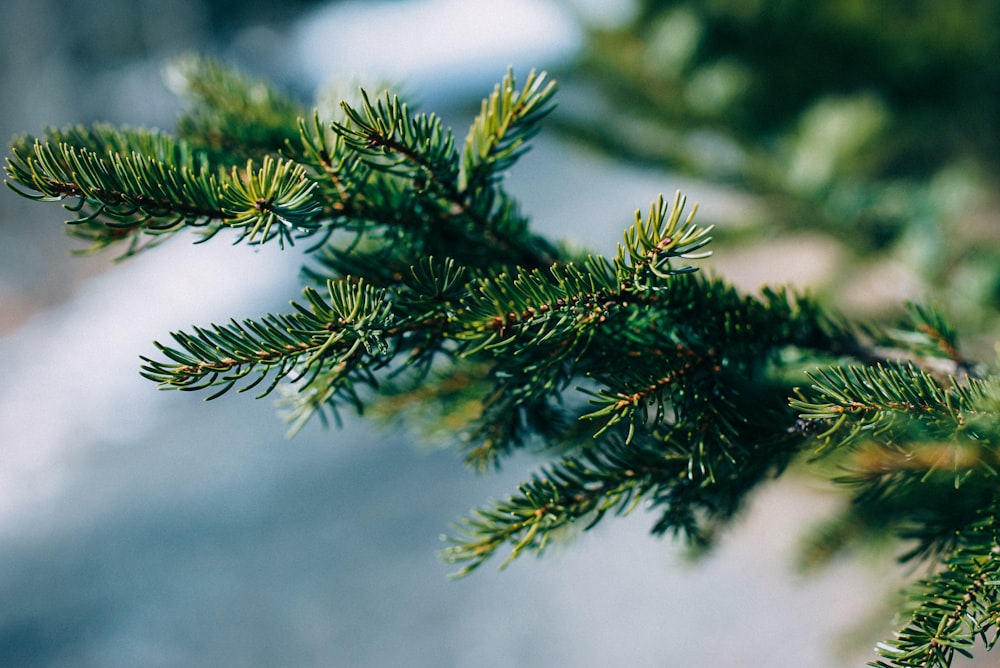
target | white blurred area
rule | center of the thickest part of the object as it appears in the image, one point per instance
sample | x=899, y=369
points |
x=433, y=47
x=146, y=528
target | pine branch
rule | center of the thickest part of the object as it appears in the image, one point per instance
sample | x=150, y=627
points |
x=923, y=456
x=324, y=347
x=336, y=170
x=124, y=196
x=650, y=244
x=420, y=150
x=614, y=474
x=614, y=478
x=534, y=307
x=954, y=608
x=885, y=401
x=507, y=120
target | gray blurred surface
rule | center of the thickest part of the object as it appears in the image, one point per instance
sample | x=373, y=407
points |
x=154, y=529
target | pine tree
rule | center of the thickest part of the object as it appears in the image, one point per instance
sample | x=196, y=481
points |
x=640, y=378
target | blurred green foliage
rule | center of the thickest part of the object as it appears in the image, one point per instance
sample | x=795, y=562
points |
x=872, y=123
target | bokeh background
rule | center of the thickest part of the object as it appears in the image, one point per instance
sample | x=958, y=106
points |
x=148, y=528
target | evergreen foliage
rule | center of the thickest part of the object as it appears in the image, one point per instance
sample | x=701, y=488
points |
x=641, y=378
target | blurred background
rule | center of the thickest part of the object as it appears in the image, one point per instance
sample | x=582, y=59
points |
x=844, y=147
